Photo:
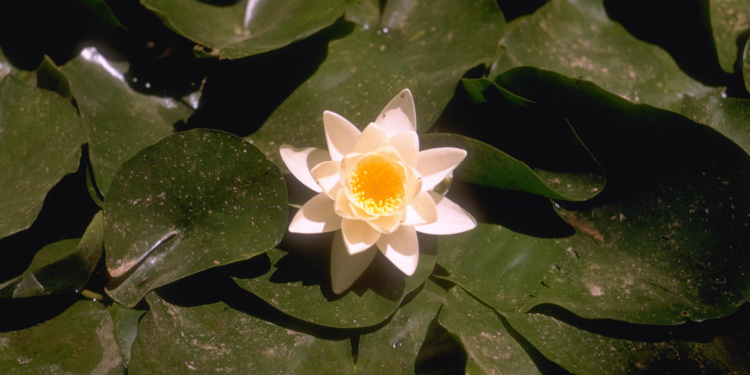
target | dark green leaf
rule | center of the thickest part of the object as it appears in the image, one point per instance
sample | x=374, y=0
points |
x=215, y=337
x=63, y=266
x=120, y=120
x=489, y=346
x=730, y=22
x=576, y=38
x=243, y=28
x=126, y=329
x=193, y=201
x=79, y=341
x=727, y=115
x=40, y=142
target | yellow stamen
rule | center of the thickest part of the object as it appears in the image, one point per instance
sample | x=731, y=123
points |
x=377, y=184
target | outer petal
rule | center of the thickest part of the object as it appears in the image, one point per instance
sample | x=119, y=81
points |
x=340, y=134
x=407, y=145
x=401, y=248
x=358, y=236
x=434, y=164
x=327, y=176
x=372, y=138
x=316, y=216
x=451, y=218
x=421, y=211
x=301, y=160
x=345, y=268
x=399, y=115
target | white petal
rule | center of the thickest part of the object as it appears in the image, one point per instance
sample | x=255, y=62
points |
x=401, y=248
x=341, y=135
x=358, y=236
x=316, y=216
x=372, y=138
x=386, y=224
x=407, y=146
x=327, y=176
x=345, y=268
x=451, y=218
x=434, y=164
x=399, y=115
x=421, y=211
x=301, y=160
x=343, y=207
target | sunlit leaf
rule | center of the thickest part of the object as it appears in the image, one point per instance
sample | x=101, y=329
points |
x=730, y=22
x=242, y=28
x=40, y=142
x=79, y=341
x=215, y=337
x=63, y=266
x=576, y=38
x=120, y=121
x=193, y=201
x=729, y=116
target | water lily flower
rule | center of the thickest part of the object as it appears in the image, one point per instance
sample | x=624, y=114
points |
x=376, y=187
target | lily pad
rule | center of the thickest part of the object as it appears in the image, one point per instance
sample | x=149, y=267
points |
x=242, y=28
x=126, y=329
x=63, y=266
x=727, y=115
x=120, y=121
x=490, y=347
x=79, y=341
x=216, y=337
x=40, y=142
x=576, y=38
x=730, y=22
x=360, y=75
x=298, y=284
x=193, y=201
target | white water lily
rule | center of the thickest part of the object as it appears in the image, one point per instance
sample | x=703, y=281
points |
x=376, y=186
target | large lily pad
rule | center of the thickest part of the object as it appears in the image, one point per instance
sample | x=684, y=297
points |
x=727, y=115
x=298, y=285
x=490, y=347
x=242, y=28
x=730, y=22
x=215, y=337
x=40, y=142
x=120, y=121
x=576, y=38
x=79, y=341
x=63, y=266
x=193, y=201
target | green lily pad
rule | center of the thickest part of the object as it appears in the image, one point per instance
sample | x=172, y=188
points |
x=584, y=352
x=298, y=284
x=360, y=75
x=40, y=142
x=193, y=201
x=440, y=40
x=126, y=329
x=746, y=65
x=576, y=38
x=730, y=22
x=217, y=337
x=490, y=347
x=120, y=121
x=78, y=341
x=392, y=349
x=248, y=27
x=63, y=266
x=728, y=116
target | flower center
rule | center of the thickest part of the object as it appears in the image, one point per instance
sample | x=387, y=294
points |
x=377, y=184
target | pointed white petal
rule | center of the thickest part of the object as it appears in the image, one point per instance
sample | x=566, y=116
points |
x=387, y=224
x=342, y=206
x=327, y=176
x=421, y=211
x=345, y=268
x=407, y=146
x=451, y=218
x=401, y=248
x=372, y=138
x=434, y=164
x=399, y=115
x=316, y=216
x=301, y=160
x=358, y=236
x=340, y=134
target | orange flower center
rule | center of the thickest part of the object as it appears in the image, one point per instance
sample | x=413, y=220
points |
x=377, y=184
